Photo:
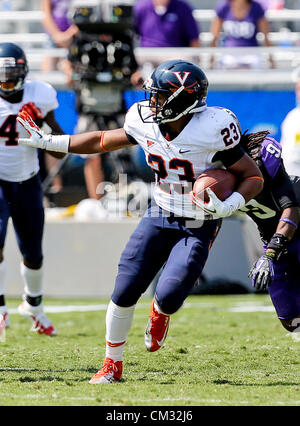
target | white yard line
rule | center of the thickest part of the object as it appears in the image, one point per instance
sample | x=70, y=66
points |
x=237, y=307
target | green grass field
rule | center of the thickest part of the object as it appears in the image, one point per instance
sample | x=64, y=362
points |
x=214, y=355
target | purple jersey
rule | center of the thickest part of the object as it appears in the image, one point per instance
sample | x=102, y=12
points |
x=271, y=155
x=279, y=192
x=266, y=208
x=240, y=32
x=176, y=27
x=60, y=10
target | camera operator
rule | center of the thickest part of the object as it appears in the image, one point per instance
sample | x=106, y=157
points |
x=100, y=66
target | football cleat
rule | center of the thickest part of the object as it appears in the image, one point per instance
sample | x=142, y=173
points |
x=111, y=372
x=157, y=329
x=5, y=321
x=41, y=324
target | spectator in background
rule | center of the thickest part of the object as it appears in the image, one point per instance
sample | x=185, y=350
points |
x=290, y=137
x=240, y=20
x=165, y=23
x=56, y=23
x=272, y=4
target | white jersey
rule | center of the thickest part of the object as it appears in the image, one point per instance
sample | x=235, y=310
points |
x=290, y=141
x=180, y=161
x=20, y=162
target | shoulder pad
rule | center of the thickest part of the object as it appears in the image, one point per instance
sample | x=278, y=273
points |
x=271, y=155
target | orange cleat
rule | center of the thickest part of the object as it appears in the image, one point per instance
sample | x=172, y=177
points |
x=41, y=324
x=111, y=372
x=157, y=329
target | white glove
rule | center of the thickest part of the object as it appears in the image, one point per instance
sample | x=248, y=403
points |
x=219, y=208
x=39, y=139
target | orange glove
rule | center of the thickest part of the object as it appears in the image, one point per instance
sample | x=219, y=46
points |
x=27, y=122
x=31, y=109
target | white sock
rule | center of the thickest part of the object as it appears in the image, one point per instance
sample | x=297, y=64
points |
x=32, y=280
x=2, y=278
x=118, y=324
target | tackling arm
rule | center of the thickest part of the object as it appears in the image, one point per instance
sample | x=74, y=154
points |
x=262, y=271
x=288, y=222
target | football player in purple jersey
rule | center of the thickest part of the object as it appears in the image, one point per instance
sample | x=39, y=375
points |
x=276, y=213
x=181, y=137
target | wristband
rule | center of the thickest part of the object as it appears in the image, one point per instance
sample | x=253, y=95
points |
x=288, y=221
x=271, y=255
x=58, y=143
x=235, y=201
x=255, y=177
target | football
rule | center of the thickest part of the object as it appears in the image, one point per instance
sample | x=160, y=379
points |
x=220, y=181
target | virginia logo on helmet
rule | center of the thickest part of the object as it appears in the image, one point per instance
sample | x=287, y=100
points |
x=182, y=79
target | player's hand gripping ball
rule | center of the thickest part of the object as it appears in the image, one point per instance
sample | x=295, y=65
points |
x=211, y=189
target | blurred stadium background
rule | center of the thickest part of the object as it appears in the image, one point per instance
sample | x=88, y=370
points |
x=82, y=251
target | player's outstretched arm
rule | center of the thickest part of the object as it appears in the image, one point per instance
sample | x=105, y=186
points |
x=100, y=141
x=85, y=143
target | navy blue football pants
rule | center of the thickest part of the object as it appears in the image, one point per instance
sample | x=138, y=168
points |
x=23, y=202
x=284, y=289
x=180, y=244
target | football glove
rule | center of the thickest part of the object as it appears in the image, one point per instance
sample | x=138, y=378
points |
x=219, y=208
x=262, y=272
x=39, y=139
x=31, y=109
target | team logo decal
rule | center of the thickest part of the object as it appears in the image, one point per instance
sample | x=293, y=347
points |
x=182, y=79
x=150, y=143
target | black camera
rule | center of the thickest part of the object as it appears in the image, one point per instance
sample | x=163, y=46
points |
x=102, y=54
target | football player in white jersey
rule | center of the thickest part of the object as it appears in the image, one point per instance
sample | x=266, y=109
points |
x=21, y=195
x=181, y=137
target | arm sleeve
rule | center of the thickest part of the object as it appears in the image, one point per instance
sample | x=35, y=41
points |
x=230, y=156
x=283, y=192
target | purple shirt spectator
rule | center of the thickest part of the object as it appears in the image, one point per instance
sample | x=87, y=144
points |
x=60, y=10
x=176, y=27
x=240, y=32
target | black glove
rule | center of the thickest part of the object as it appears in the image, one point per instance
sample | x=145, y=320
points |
x=262, y=272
